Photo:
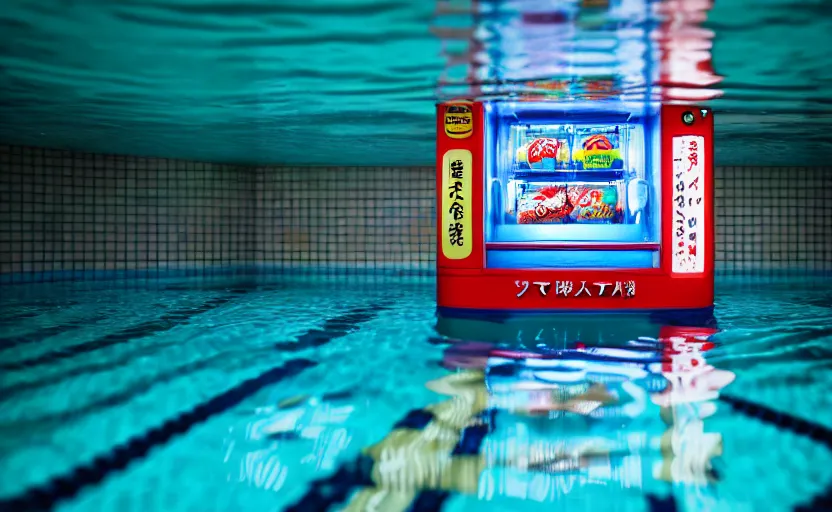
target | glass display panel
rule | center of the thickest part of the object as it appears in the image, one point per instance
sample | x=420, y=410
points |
x=587, y=180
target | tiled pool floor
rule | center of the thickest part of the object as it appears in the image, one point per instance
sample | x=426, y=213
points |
x=241, y=394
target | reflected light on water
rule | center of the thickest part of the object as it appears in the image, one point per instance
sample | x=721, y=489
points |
x=687, y=73
x=587, y=416
x=565, y=51
x=535, y=419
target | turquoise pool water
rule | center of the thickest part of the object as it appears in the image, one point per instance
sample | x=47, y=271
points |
x=263, y=394
x=264, y=81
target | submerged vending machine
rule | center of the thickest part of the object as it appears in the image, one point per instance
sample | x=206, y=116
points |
x=541, y=209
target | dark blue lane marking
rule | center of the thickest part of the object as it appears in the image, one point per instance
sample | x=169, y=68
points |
x=429, y=501
x=241, y=286
x=21, y=311
x=61, y=488
x=87, y=369
x=336, y=327
x=38, y=336
x=822, y=501
x=163, y=323
x=416, y=419
x=12, y=319
x=814, y=431
x=144, y=386
x=657, y=504
x=326, y=492
x=336, y=488
x=785, y=421
x=471, y=437
x=337, y=395
x=128, y=394
x=470, y=443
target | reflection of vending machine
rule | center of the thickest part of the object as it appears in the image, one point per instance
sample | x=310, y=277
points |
x=604, y=208
x=686, y=72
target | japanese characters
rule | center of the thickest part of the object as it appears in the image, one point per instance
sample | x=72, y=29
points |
x=456, y=210
x=688, y=204
x=622, y=289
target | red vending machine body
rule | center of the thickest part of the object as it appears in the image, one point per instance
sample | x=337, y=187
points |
x=545, y=211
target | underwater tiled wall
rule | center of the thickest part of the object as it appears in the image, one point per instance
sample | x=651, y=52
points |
x=67, y=215
x=773, y=219
x=77, y=215
x=346, y=218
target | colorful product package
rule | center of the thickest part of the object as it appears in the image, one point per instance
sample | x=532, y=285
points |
x=542, y=204
x=547, y=203
x=545, y=153
x=594, y=204
x=598, y=148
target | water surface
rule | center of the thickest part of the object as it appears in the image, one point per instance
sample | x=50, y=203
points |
x=263, y=81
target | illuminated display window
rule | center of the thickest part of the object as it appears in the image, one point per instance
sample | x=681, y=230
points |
x=572, y=178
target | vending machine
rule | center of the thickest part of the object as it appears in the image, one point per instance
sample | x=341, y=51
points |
x=541, y=208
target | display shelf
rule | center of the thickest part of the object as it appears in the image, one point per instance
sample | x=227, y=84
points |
x=569, y=175
x=573, y=246
x=620, y=233
x=571, y=167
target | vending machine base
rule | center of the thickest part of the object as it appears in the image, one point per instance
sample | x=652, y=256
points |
x=612, y=329
x=532, y=291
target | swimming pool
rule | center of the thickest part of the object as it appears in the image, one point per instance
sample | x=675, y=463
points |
x=264, y=393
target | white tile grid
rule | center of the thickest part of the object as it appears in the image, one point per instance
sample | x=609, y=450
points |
x=90, y=212
x=72, y=211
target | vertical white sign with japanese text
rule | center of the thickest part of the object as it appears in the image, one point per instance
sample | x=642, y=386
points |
x=688, y=204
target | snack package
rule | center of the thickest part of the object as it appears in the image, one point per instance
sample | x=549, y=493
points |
x=542, y=204
x=581, y=204
x=599, y=88
x=544, y=153
x=598, y=148
x=594, y=204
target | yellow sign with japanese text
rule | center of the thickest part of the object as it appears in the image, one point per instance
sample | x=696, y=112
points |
x=457, y=166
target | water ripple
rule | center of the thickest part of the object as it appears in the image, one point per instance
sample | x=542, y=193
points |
x=251, y=82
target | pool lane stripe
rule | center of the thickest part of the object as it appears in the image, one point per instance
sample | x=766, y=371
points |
x=164, y=323
x=39, y=335
x=782, y=420
x=333, y=328
x=472, y=437
x=15, y=312
x=821, y=501
x=86, y=369
x=125, y=395
x=61, y=488
x=659, y=504
x=324, y=493
x=335, y=489
x=470, y=443
x=814, y=431
x=429, y=501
